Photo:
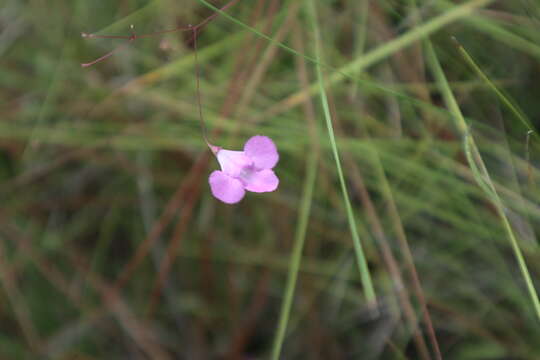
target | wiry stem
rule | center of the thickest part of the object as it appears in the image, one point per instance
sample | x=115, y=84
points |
x=134, y=37
x=110, y=53
x=204, y=129
x=190, y=27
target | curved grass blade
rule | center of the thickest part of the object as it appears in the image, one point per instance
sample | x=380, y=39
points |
x=479, y=170
x=504, y=98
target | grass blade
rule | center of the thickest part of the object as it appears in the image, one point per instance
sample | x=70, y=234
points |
x=359, y=252
x=479, y=170
x=504, y=98
x=296, y=256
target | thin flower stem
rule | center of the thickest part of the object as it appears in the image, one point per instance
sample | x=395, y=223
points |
x=195, y=30
x=365, y=275
x=204, y=129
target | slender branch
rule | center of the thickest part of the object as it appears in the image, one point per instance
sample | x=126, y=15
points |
x=204, y=129
x=134, y=37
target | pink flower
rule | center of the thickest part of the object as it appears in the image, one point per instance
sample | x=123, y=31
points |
x=249, y=170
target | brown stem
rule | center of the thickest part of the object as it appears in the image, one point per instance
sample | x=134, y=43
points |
x=134, y=37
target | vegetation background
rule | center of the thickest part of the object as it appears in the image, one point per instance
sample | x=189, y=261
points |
x=112, y=246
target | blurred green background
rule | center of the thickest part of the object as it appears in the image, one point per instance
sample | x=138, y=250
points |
x=112, y=246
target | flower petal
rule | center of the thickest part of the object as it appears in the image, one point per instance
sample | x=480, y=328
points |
x=263, y=152
x=225, y=187
x=233, y=162
x=262, y=181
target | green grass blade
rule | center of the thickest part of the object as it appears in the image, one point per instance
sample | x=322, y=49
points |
x=504, y=98
x=360, y=257
x=479, y=170
x=296, y=256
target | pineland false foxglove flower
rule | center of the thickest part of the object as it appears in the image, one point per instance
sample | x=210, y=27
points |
x=249, y=170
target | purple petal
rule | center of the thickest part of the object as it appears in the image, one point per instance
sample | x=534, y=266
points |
x=233, y=162
x=225, y=187
x=263, y=152
x=262, y=181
